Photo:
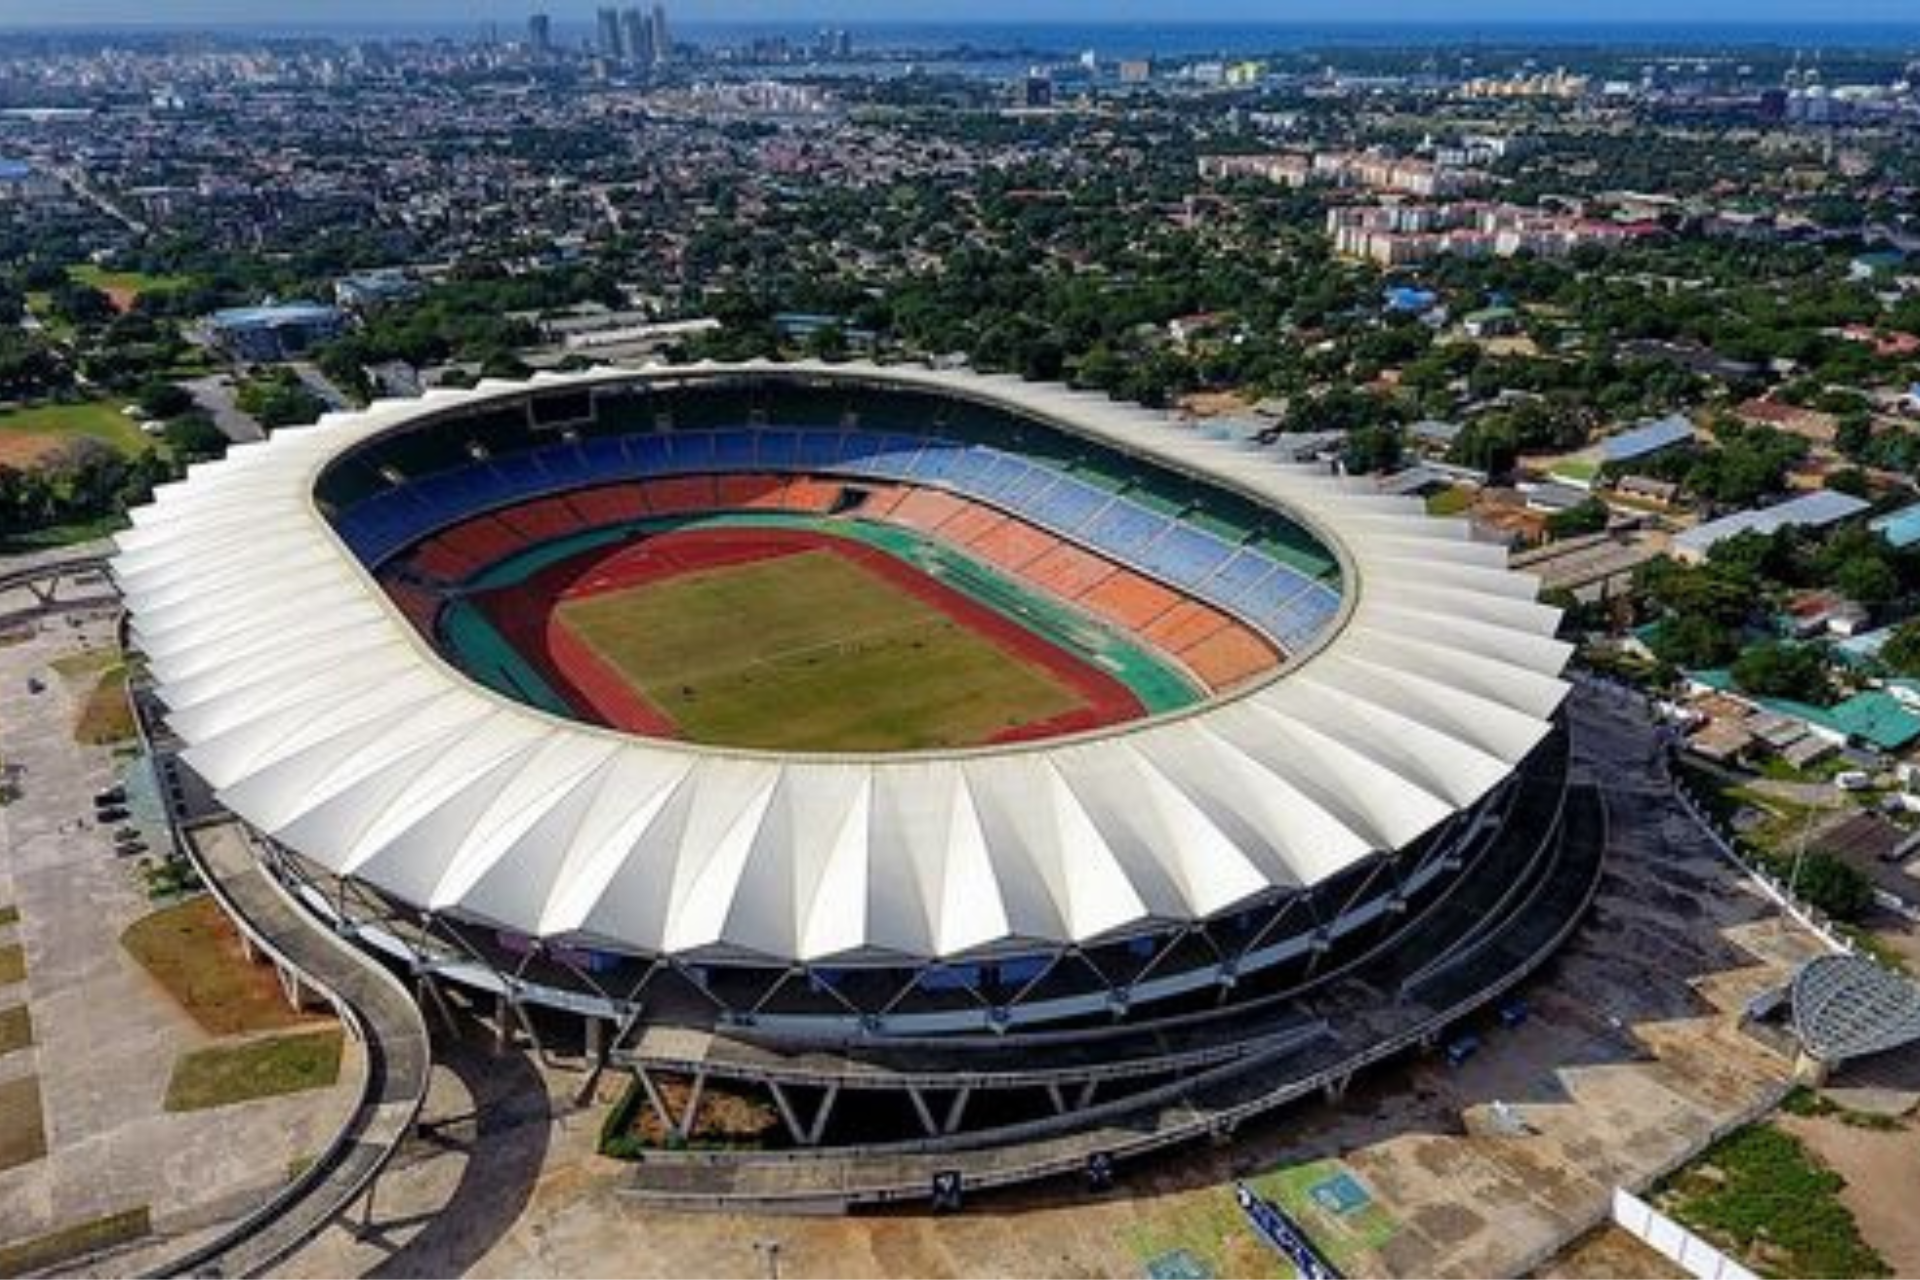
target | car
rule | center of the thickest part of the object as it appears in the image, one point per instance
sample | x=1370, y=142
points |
x=1853, y=780
x=112, y=795
x=112, y=814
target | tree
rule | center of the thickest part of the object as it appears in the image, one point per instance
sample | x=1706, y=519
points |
x=192, y=436
x=1587, y=517
x=1372, y=449
x=1834, y=887
x=1901, y=652
x=1774, y=670
x=163, y=399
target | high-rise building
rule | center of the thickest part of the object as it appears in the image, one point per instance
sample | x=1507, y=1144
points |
x=636, y=38
x=607, y=33
x=662, y=39
x=540, y=34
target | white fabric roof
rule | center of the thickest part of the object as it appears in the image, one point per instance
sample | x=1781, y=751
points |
x=322, y=718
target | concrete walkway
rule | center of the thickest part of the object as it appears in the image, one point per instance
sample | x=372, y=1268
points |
x=105, y=1033
x=379, y=1009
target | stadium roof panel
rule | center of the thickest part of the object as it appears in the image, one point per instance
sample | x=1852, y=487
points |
x=322, y=718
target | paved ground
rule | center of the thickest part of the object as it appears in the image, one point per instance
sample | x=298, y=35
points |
x=106, y=1034
x=214, y=394
x=1630, y=1061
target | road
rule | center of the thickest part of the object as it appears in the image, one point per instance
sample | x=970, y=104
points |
x=214, y=394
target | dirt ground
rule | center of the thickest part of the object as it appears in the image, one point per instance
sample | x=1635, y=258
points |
x=22, y=449
x=1214, y=404
x=1610, y=1254
x=1882, y=1169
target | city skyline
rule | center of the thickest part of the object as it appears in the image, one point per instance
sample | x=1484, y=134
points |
x=1649, y=13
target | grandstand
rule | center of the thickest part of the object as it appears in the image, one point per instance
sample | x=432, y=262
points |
x=1342, y=715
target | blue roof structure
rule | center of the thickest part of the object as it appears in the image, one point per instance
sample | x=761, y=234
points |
x=1814, y=510
x=13, y=170
x=1407, y=298
x=1648, y=438
x=1900, y=528
x=275, y=313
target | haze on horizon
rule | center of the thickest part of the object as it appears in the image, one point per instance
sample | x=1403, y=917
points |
x=178, y=13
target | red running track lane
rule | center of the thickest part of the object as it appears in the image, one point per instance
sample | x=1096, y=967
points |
x=525, y=614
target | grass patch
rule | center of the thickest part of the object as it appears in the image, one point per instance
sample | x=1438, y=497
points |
x=106, y=714
x=1212, y=1229
x=77, y=668
x=13, y=964
x=16, y=1029
x=125, y=286
x=62, y=535
x=76, y=1241
x=226, y=1074
x=23, y=1135
x=9, y=914
x=1449, y=502
x=52, y=425
x=193, y=950
x=1760, y=1195
x=810, y=651
x=1348, y=1240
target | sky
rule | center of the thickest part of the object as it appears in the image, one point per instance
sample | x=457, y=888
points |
x=68, y=13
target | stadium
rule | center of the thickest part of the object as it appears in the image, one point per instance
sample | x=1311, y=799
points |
x=847, y=729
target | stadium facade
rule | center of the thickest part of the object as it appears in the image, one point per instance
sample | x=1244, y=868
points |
x=1201, y=867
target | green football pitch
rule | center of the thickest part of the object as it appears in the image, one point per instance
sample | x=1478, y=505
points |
x=812, y=652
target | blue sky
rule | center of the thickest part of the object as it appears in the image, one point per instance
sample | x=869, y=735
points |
x=16, y=13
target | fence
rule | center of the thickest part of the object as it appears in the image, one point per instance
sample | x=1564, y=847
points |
x=1673, y=1241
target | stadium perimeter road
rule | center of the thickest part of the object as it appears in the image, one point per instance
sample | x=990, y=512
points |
x=398, y=1061
x=1631, y=1061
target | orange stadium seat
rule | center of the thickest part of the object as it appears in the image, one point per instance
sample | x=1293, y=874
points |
x=1129, y=599
x=1012, y=545
x=437, y=560
x=543, y=520
x=927, y=509
x=681, y=495
x=1185, y=625
x=1069, y=571
x=806, y=493
x=739, y=492
x=970, y=524
x=1229, y=656
x=483, y=540
x=612, y=504
x=881, y=500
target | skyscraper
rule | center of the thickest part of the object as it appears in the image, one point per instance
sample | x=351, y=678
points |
x=540, y=34
x=662, y=40
x=607, y=33
x=636, y=38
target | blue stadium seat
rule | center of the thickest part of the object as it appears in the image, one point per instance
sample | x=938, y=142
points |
x=1237, y=577
x=819, y=450
x=1004, y=473
x=1185, y=556
x=1123, y=528
x=1066, y=504
x=690, y=450
x=730, y=450
x=968, y=469
x=649, y=454
x=935, y=460
x=778, y=450
x=605, y=459
x=566, y=465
